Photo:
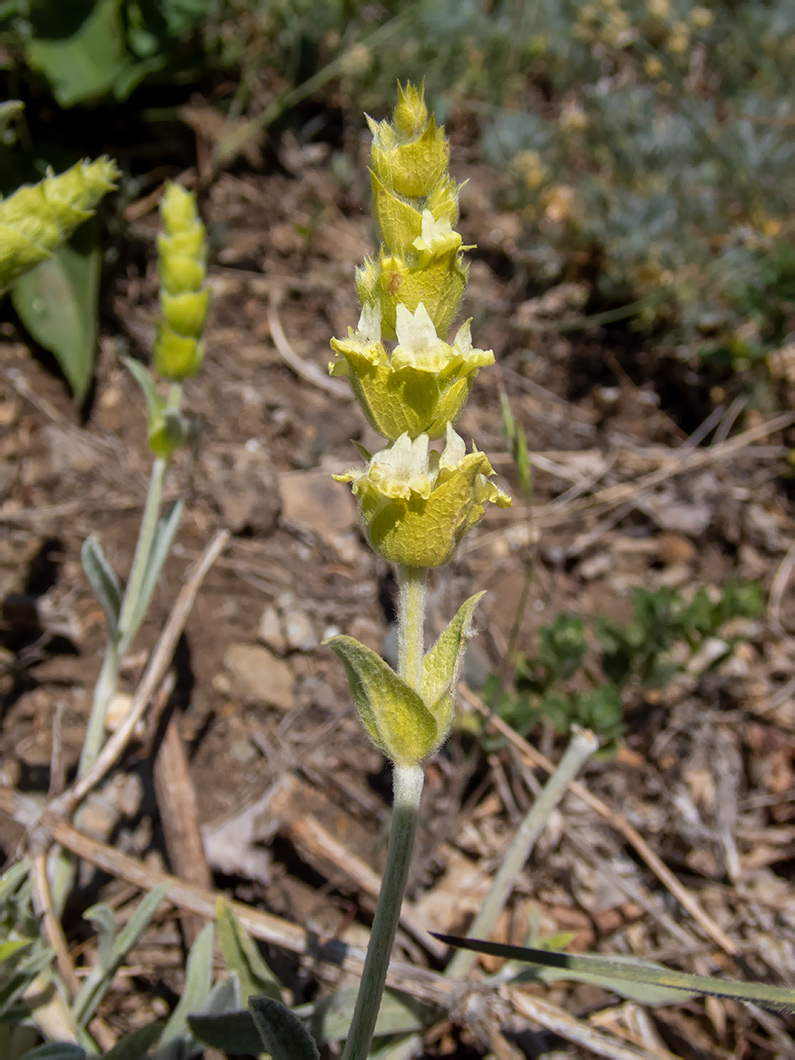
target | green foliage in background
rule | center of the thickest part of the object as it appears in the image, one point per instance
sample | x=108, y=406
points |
x=659, y=159
x=661, y=638
x=87, y=49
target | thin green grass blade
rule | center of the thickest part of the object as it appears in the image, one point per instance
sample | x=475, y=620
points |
x=778, y=998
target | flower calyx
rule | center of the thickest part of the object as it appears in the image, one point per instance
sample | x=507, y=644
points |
x=418, y=504
x=422, y=386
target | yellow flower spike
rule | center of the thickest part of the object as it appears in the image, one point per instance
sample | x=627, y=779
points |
x=184, y=299
x=418, y=505
x=425, y=383
x=415, y=202
x=38, y=218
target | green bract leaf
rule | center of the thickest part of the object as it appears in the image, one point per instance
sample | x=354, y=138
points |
x=395, y=717
x=628, y=978
x=441, y=665
x=242, y=956
x=282, y=1033
x=58, y=303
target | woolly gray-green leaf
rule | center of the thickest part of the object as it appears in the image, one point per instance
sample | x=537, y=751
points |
x=233, y=1032
x=283, y=1034
x=394, y=715
x=135, y=1045
x=198, y=980
x=104, y=582
x=58, y=303
x=242, y=956
x=55, y=1051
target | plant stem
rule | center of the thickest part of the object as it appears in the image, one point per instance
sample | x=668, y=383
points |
x=114, y=653
x=143, y=548
x=103, y=693
x=581, y=746
x=408, y=782
x=411, y=624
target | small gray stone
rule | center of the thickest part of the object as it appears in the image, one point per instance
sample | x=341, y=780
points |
x=247, y=498
x=258, y=677
x=312, y=501
x=269, y=630
x=298, y=631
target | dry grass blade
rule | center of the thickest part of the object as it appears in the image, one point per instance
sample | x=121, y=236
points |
x=155, y=671
x=674, y=464
x=305, y=370
x=618, y=821
x=574, y=1030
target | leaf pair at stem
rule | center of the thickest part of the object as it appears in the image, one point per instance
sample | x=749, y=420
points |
x=408, y=724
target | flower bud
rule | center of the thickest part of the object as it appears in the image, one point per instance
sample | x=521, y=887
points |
x=176, y=356
x=418, y=505
x=410, y=115
x=410, y=166
x=178, y=209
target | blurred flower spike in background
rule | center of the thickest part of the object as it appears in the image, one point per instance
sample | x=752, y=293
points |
x=184, y=298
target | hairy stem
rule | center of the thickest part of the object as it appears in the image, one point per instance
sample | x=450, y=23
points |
x=581, y=746
x=114, y=653
x=408, y=782
x=143, y=548
x=411, y=624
